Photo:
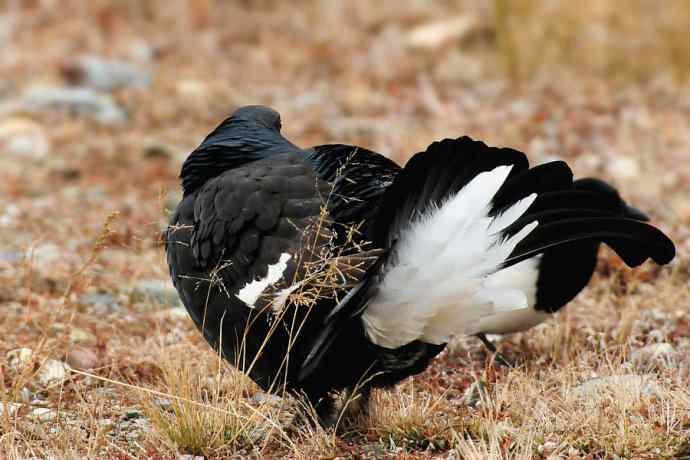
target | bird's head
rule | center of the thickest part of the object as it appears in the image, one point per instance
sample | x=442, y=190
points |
x=258, y=115
x=252, y=132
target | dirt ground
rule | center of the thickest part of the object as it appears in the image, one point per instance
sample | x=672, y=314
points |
x=101, y=101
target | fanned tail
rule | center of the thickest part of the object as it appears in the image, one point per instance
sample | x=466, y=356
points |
x=468, y=231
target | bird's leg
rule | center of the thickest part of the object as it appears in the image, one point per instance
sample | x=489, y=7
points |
x=497, y=355
x=326, y=412
x=313, y=411
x=355, y=405
x=357, y=402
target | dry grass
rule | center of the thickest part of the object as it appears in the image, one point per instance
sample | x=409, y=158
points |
x=602, y=85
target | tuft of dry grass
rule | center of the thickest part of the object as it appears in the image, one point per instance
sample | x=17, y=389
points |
x=210, y=416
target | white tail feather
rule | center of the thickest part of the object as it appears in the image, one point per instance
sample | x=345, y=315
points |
x=440, y=284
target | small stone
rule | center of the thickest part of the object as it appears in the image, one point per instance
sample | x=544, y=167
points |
x=174, y=314
x=548, y=448
x=653, y=354
x=266, y=398
x=101, y=302
x=645, y=383
x=10, y=256
x=43, y=414
x=9, y=407
x=435, y=34
x=45, y=254
x=23, y=138
x=163, y=403
x=78, y=335
x=190, y=457
x=105, y=74
x=157, y=292
x=82, y=358
x=193, y=89
x=19, y=357
x=623, y=167
x=140, y=50
x=82, y=101
x=9, y=214
x=53, y=372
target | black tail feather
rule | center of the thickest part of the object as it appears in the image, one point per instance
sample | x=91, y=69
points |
x=649, y=241
x=432, y=176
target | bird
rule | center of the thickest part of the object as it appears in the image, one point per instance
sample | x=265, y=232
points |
x=333, y=270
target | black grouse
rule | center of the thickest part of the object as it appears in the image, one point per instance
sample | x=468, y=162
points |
x=331, y=268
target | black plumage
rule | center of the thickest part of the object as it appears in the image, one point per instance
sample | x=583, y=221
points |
x=255, y=205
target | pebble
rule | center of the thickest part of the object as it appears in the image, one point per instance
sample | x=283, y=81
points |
x=155, y=291
x=267, y=398
x=23, y=138
x=654, y=350
x=105, y=74
x=101, y=302
x=163, y=403
x=435, y=34
x=652, y=355
x=10, y=256
x=174, y=314
x=623, y=167
x=9, y=214
x=192, y=89
x=82, y=358
x=53, y=372
x=10, y=407
x=19, y=357
x=83, y=101
x=43, y=414
x=645, y=383
x=78, y=335
x=548, y=448
x=190, y=457
x=140, y=50
x=45, y=254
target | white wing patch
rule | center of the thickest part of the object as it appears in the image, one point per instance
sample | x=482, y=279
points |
x=250, y=293
x=445, y=277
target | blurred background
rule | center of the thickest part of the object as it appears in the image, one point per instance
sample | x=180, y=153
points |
x=101, y=101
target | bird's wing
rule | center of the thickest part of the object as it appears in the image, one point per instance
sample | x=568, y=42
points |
x=250, y=224
x=359, y=177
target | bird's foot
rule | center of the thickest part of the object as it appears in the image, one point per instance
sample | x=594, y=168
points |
x=355, y=407
x=498, y=356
